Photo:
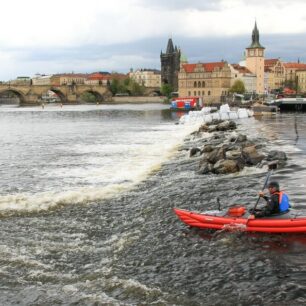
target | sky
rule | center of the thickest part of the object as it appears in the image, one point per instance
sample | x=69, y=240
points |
x=47, y=37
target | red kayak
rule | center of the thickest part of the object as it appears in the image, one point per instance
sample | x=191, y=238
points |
x=236, y=218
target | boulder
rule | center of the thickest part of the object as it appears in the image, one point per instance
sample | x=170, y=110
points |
x=225, y=166
x=251, y=156
x=194, y=151
x=205, y=168
x=207, y=148
x=212, y=128
x=233, y=154
x=216, y=155
x=276, y=155
x=203, y=128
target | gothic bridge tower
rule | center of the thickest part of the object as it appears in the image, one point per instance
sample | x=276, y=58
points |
x=170, y=65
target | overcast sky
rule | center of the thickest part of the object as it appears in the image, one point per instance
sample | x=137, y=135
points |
x=39, y=36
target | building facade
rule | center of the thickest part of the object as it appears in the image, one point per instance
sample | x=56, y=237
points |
x=146, y=77
x=248, y=78
x=301, y=81
x=275, y=74
x=68, y=79
x=255, y=60
x=291, y=70
x=98, y=78
x=170, y=65
x=41, y=79
x=209, y=81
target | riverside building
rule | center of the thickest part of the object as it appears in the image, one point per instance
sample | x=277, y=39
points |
x=212, y=81
x=209, y=81
x=274, y=74
x=146, y=77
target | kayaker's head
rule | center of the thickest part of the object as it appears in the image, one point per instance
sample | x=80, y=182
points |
x=273, y=187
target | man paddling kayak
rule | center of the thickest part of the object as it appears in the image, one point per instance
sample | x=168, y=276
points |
x=277, y=202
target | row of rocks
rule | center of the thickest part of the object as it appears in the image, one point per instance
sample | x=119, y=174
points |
x=227, y=153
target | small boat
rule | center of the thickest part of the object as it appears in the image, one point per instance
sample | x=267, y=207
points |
x=186, y=104
x=237, y=218
x=261, y=110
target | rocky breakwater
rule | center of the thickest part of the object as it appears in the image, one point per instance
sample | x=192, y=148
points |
x=227, y=151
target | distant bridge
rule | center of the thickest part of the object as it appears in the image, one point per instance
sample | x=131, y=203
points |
x=32, y=94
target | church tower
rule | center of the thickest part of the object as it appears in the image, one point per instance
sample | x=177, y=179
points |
x=170, y=65
x=255, y=60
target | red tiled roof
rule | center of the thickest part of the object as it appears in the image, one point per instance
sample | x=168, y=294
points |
x=99, y=76
x=241, y=69
x=295, y=65
x=73, y=75
x=209, y=67
x=270, y=62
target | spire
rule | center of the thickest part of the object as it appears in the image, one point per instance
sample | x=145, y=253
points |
x=170, y=48
x=255, y=38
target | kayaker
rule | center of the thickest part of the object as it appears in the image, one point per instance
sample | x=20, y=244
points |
x=277, y=202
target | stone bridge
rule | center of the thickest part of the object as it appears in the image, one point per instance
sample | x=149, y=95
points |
x=32, y=94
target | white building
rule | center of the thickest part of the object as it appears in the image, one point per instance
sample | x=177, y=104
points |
x=245, y=75
x=39, y=79
x=146, y=77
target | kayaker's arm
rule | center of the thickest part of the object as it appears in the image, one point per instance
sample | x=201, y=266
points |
x=272, y=204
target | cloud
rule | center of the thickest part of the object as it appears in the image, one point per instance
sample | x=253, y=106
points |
x=176, y=5
x=58, y=36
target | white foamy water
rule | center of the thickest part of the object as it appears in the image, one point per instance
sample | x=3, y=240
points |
x=82, y=154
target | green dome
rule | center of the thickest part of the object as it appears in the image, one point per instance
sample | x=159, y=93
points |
x=183, y=58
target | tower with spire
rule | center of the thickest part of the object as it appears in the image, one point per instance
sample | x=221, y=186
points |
x=255, y=60
x=170, y=65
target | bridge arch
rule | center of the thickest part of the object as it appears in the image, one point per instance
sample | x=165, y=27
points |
x=98, y=97
x=17, y=93
x=60, y=94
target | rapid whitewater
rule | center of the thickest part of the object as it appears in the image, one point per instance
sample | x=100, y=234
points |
x=90, y=219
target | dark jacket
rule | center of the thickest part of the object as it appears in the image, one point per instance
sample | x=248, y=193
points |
x=272, y=206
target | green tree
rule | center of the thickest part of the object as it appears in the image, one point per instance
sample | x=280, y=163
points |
x=238, y=87
x=166, y=90
x=135, y=89
x=114, y=84
x=88, y=97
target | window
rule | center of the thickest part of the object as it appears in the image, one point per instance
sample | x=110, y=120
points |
x=189, y=93
x=203, y=84
x=199, y=84
x=199, y=93
x=195, y=93
x=208, y=93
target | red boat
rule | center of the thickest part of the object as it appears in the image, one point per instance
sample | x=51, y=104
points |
x=237, y=218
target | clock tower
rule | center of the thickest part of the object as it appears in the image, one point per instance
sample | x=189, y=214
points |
x=255, y=60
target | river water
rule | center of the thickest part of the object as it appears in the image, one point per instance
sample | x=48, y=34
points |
x=86, y=212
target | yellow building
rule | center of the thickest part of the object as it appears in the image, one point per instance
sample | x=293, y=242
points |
x=291, y=69
x=301, y=80
x=209, y=81
x=275, y=74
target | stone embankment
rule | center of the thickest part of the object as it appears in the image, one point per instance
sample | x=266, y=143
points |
x=142, y=99
x=227, y=151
